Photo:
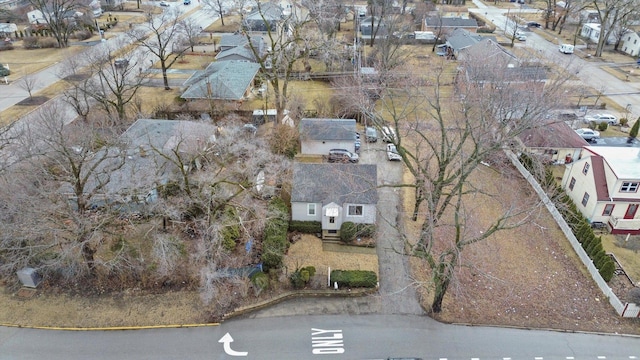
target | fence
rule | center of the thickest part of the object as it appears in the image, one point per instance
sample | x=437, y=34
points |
x=624, y=310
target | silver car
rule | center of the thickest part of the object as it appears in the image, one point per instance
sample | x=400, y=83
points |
x=588, y=134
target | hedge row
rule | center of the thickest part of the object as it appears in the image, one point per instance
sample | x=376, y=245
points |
x=354, y=278
x=307, y=227
x=580, y=226
x=275, y=242
x=349, y=231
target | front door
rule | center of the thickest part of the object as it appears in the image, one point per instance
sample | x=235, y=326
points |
x=631, y=211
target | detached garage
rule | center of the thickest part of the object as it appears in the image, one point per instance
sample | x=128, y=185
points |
x=318, y=136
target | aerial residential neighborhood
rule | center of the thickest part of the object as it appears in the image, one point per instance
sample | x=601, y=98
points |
x=211, y=160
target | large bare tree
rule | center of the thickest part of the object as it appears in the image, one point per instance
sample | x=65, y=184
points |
x=612, y=16
x=446, y=131
x=60, y=17
x=166, y=41
x=287, y=42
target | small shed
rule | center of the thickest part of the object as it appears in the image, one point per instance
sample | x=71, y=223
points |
x=28, y=277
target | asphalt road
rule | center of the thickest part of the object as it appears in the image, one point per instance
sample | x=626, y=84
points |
x=309, y=337
x=590, y=73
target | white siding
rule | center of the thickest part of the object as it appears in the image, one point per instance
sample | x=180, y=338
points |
x=584, y=183
x=368, y=214
x=299, y=212
x=317, y=147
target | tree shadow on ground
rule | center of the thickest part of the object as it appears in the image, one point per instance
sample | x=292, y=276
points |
x=34, y=100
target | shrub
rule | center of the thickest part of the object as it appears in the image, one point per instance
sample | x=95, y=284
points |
x=47, y=43
x=624, y=122
x=307, y=227
x=82, y=35
x=30, y=42
x=603, y=126
x=260, y=280
x=275, y=242
x=231, y=232
x=349, y=231
x=354, y=278
x=607, y=270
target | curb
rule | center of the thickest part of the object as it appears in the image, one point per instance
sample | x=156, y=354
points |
x=111, y=328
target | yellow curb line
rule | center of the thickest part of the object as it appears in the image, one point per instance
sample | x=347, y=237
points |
x=110, y=328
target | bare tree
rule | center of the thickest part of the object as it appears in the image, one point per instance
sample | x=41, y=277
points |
x=61, y=182
x=28, y=83
x=216, y=8
x=612, y=14
x=59, y=17
x=444, y=140
x=164, y=41
x=287, y=43
x=379, y=10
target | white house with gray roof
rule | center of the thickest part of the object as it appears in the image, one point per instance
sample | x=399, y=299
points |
x=318, y=136
x=333, y=194
x=222, y=80
x=604, y=185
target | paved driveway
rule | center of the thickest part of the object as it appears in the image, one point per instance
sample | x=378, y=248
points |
x=396, y=294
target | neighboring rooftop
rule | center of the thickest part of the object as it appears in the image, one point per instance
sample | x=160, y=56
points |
x=338, y=183
x=554, y=135
x=624, y=161
x=226, y=80
x=327, y=129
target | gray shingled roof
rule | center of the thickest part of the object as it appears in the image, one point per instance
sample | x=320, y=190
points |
x=267, y=11
x=238, y=51
x=327, y=129
x=232, y=40
x=447, y=22
x=461, y=38
x=338, y=183
x=553, y=135
x=227, y=80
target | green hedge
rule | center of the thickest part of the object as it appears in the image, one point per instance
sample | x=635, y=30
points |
x=307, y=227
x=275, y=243
x=354, y=278
x=349, y=231
x=580, y=226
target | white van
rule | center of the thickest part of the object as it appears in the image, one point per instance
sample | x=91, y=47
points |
x=566, y=48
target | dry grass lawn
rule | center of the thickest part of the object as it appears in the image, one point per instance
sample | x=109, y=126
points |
x=528, y=276
x=308, y=250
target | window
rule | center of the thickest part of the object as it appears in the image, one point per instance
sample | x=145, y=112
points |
x=585, y=199
x=355, y=210
x=572, y=183
x=635, y=41
x=628, y=186
x=332, y=219
x=311, y=209
x=585, y=169
x=608, y=209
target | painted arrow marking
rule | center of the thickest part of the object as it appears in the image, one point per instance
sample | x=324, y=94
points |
x=227, y=340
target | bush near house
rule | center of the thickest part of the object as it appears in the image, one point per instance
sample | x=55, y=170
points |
x=580, y=226
x=275, y=243
x=349, y=231
x=306, y=227
x=603, y=126
x=354, y=278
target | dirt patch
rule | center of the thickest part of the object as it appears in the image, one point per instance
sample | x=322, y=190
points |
x=525, y=277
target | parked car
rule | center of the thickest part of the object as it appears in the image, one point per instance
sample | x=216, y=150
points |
x=164, y=3
x=533, y=24
x=121, y=63
x=392, y=153
x=598, y=118
x=521, y=37
x=186, y=2
x=388, y=134
x=342, y=155
x=371, y=133
x=588, y=134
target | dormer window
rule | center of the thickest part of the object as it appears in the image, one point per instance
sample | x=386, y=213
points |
x=585, y=169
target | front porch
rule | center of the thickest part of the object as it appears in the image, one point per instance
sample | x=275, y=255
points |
x=618, y=226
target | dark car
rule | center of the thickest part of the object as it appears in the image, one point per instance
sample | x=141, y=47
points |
x=342, y=155
x=533, y=24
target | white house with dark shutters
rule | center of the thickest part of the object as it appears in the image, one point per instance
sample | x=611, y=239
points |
x=604, y=184
x=333, y=194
